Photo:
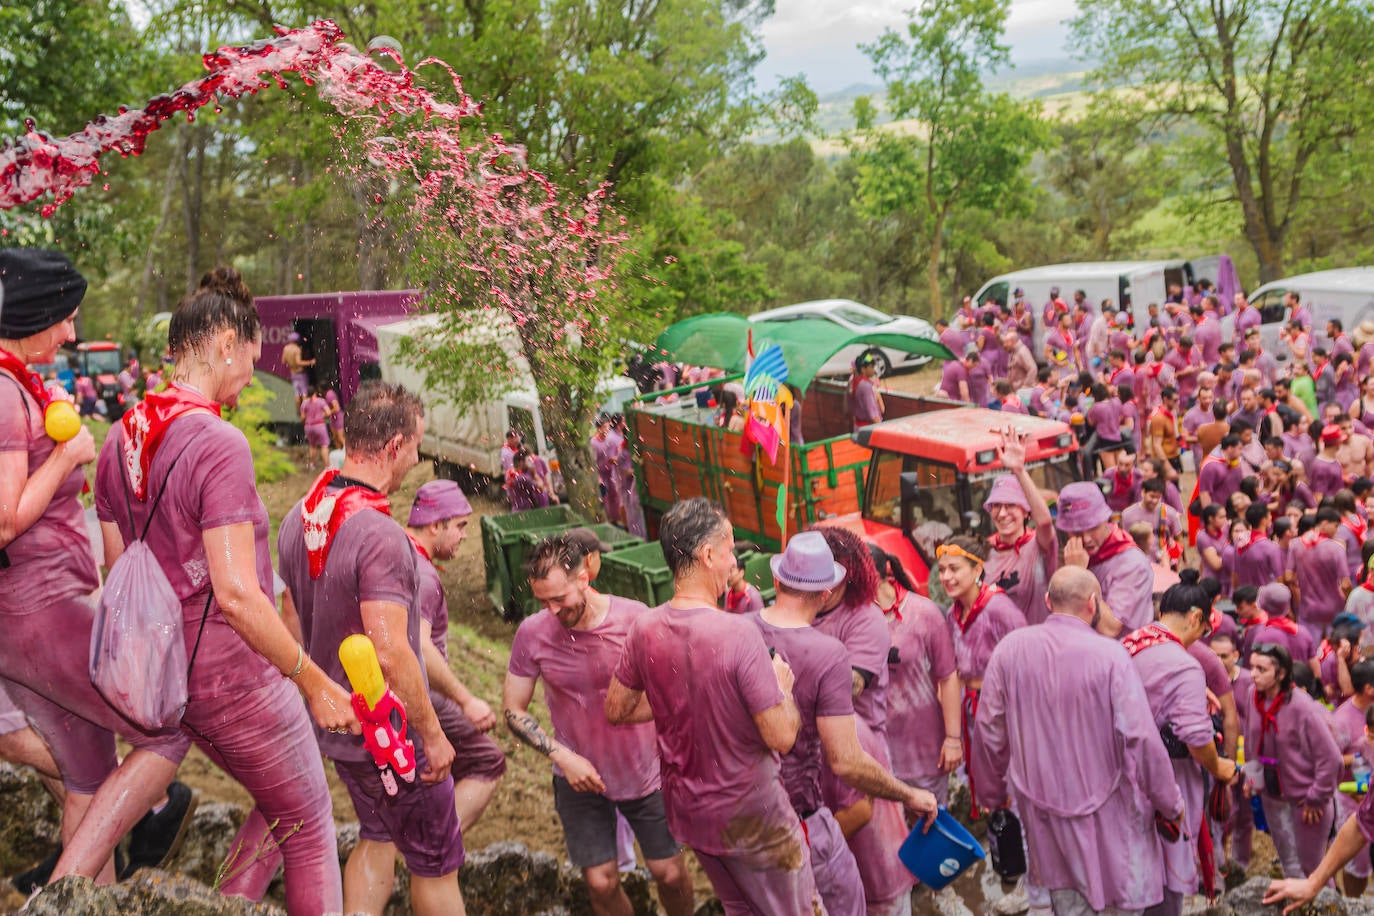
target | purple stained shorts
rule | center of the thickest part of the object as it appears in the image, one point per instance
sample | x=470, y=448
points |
x=300, y=383
x=477, y=756
x=420, y=819
x=316, y=435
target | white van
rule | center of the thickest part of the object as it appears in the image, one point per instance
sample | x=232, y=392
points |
x=465, y=439
x=1131, y=285
x=1346, y=295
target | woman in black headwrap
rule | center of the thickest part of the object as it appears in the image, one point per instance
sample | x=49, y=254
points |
x=48, y=577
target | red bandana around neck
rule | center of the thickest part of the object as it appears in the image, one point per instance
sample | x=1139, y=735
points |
x=325, y=510
x=899, y=596
x=1255, y=537
x=1283, y=624
x=145, y=425
x=996, y=542
x=1313, y=538
x=1117, y=542
x=31, y=381
x=1357, y=526
x=420, y=548
x=1269, y=717
x=1156, y=634
x=965, y=620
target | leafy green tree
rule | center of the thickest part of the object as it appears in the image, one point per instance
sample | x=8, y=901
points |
x=1110, y=172
x=1257, y=88
x=969, y=147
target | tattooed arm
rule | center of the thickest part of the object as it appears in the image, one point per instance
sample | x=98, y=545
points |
x=576, y=769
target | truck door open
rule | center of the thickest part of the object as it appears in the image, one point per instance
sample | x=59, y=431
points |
x=1144, y=287
x=319, y=341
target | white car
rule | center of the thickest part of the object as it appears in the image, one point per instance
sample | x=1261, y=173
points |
x=857, y=317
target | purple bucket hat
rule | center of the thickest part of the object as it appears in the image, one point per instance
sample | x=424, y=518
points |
x=1006, y=491
x=1082, y=507
x=436, y=501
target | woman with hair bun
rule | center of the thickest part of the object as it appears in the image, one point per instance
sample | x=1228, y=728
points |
x=244, y=709
x=1177, y=690
x=1292, y=761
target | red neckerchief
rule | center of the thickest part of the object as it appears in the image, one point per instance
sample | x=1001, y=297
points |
x=1313, y=538
x=1357, y=527
x=325, y=510
x=1320, y=368
x=1155, y=634
x=419, y=547
x=31, y=381
x=1269, y=718
x=1324, y=651
x=145, y=425
x=1284, y=624
x=1368, y=585
x=732, y=602
x=1118, y=488
x=1153, y=369
x=1255, y=536
x=1116, y=373
x=965, y=620
x=1117, y=542
x=996, y=542
x=899, y=594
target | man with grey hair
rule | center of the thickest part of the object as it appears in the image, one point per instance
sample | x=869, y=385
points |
x=1065, y=730
x=724, y=712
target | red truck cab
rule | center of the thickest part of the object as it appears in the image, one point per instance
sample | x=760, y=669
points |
x=930, y=472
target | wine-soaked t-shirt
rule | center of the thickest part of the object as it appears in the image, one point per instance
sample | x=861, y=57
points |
x=863, y=632
x=706, y=675
x=822, y=690
x=433, y=604
x=924, y=656
x=370, y=559
x=576, y=667
x=52, y=558
x=212, y=485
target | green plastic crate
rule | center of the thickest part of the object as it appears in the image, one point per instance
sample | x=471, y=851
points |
x=759, y=574
x=638, y=572
x=522, y=603
x=499, y=532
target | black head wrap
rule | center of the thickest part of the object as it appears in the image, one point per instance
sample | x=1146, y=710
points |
x=38, y=289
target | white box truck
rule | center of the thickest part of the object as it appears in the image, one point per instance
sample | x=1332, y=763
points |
x=466, y=441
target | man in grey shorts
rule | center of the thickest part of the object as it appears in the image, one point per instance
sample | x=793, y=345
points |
x=598, y=768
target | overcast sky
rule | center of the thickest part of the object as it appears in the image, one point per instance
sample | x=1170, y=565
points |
x=820, y=38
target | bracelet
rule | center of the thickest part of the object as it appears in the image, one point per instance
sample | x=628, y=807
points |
x=300, y=662
x=954, y=738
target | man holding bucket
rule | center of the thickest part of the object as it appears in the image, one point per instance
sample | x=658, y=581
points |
x=806, y=573
x=1065, y=728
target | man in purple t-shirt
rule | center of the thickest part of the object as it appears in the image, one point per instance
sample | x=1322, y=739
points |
x=723, y=713
x=599, y=769
x=351, y=569
x=438, y=526
x=1318, y=572
x=805, y=573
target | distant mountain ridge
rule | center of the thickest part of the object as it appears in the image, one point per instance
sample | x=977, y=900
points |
x=1057, y=81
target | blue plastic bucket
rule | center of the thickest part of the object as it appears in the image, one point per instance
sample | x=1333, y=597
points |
x=940, y=856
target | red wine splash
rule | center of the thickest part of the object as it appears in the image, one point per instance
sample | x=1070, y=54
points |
x=529, y=244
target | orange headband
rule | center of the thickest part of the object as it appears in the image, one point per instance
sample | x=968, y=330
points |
x=954, y=550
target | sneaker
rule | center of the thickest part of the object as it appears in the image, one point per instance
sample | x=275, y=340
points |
x=158, y=836
x=1012, y=904
x=26, y=882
